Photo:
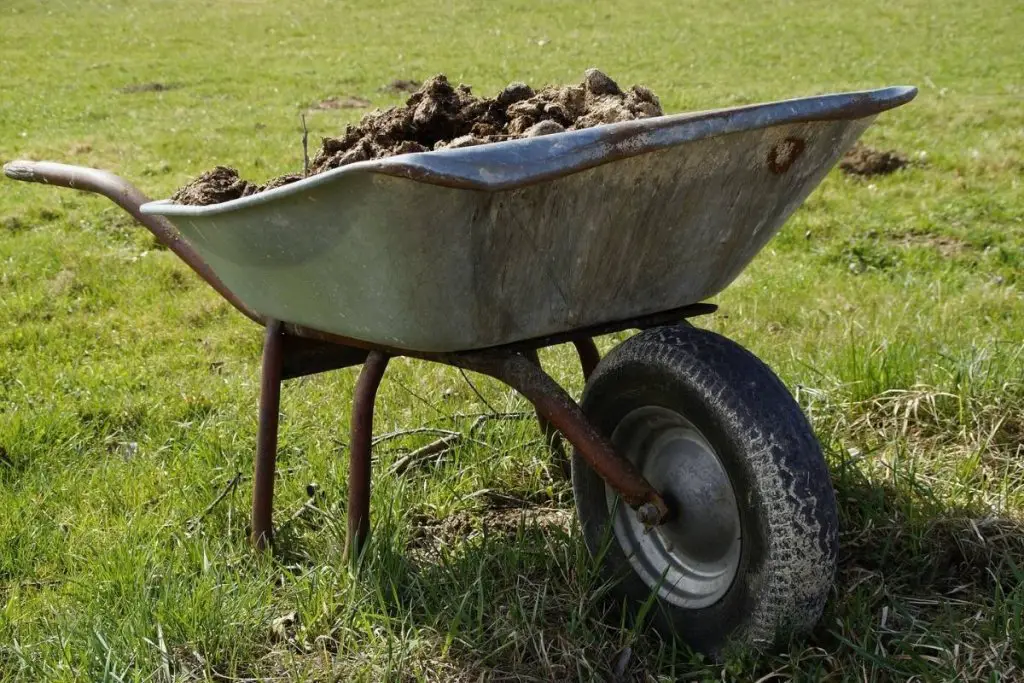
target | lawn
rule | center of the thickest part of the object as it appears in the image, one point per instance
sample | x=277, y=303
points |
x=892, y=307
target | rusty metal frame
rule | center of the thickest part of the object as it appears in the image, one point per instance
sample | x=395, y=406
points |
x=292, y=351
x=266, y=437
x=551, y=434
x=359, y=462
x=288, y=356
x=589, y=357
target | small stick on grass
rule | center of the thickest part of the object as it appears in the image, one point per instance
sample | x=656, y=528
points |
x=305, y=147
x=434, y=448
x=483, y=418
x=476, y=391
x=407, y=432
x=442, y=446
x=223, y=494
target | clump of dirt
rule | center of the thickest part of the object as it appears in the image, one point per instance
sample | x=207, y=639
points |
x=222, y=184
x=440, y=115
x=219, y=184
x=866, y=161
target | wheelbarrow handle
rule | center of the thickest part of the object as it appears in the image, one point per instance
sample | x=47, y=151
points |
x=129, y=198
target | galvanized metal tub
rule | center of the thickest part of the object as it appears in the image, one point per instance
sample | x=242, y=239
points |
x=469, y=248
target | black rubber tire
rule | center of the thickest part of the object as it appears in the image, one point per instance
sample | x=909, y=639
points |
x=788, y=517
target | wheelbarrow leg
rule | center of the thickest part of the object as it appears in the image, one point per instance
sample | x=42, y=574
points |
x=586, y=349
x=359, y=451
x=551, y=435
x=588, y=353
x=266, y=439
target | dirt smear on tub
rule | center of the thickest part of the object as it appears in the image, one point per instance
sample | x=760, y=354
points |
x=440, y=115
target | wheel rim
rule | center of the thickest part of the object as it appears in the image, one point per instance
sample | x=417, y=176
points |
x=692, y=559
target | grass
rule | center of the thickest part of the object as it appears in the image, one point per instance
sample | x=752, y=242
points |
x=892, y=307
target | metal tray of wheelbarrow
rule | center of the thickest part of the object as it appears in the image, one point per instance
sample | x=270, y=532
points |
x=469, y=248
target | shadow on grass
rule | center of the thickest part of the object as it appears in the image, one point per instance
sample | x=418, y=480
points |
x=509, y=593
x=924, y=588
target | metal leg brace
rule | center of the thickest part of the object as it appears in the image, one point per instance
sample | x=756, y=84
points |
x=266, y=439
x=359, y=451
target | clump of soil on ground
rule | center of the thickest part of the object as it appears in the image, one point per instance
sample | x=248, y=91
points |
x=866, y=161
x=440, y=115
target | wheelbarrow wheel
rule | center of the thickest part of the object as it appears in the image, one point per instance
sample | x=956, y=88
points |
x=747, y=556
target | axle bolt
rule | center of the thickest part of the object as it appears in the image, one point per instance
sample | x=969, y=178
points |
x=648, y=514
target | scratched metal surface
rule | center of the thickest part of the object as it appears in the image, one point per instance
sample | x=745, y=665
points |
x=462, y=249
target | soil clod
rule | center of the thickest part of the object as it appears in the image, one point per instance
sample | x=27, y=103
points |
x=866, y=161
x=440, y=115
x=222, y=184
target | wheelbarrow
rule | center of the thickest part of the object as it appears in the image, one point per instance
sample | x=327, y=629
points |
x=699, y=484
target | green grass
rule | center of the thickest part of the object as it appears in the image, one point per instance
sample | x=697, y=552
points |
x=892, y=307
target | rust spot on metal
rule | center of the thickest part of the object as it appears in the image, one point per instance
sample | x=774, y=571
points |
x=784, y=154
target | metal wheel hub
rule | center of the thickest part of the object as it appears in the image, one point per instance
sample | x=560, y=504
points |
x=691, y=560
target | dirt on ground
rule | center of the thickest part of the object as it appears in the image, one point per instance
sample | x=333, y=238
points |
x=401, y=85
x=440, y=115
x=149, y=87
x=431, y=535
x=946, y=245
x=347, y=102
x=866, y=161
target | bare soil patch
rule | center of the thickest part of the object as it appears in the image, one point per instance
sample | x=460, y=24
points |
x=945, y=245
x=430, y=534
x=346, y=102
x=401, y=85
